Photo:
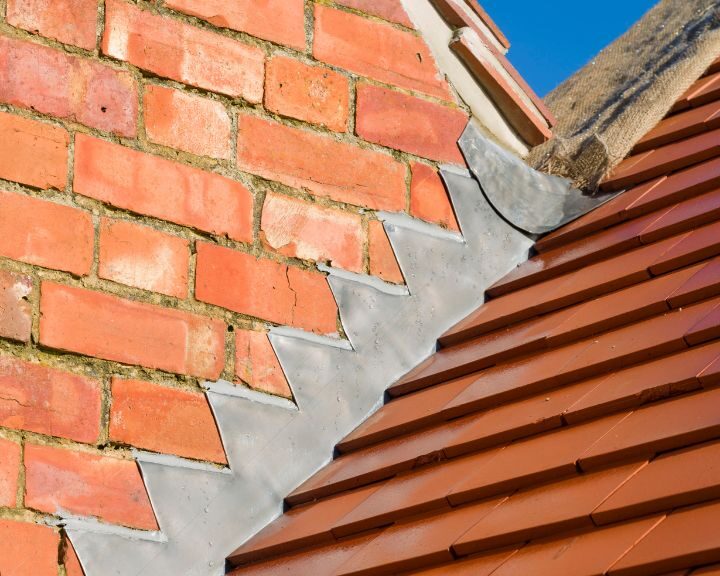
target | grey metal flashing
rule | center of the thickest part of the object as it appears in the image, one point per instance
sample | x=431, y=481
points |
x=530, y=200
x=169, y=460
x=373, y=281
x=273, y=445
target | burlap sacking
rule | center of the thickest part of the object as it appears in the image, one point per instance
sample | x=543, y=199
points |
x=605, y=108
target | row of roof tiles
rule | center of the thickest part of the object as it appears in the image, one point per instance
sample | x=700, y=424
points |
x=569, y=426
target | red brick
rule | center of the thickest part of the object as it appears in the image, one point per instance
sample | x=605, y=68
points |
x=45, y=233
x=409, y=124
x=428, y=198
x=281, y=21
x=376, y=50
x=382, y=257
x=163, y=419
x=144, y=258
x=173, y=49
x=48, y=401
x=15, y=320
x=70, y=560
x=157, y=187
x=87, y=485
x=55, y=83
x=257, y=365
x=69, y=21
x=9, y=471
x=311, y=232
x=391, y=10
x=265, y=289
x=197, y=125
x=28, y=549
x=112, y=328
x=22, y=142
x=311, y=93
x=321, y=164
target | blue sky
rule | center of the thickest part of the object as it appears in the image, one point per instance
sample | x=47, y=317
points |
x=551, y=39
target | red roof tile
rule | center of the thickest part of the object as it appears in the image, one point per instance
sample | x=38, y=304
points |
x=569, y=426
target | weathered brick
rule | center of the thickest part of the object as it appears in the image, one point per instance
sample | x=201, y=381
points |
x=143, y=257
x=311, y=93
x=257, y=365
x=9, y=471
x=157, y=187
x=173, y=49
x=22, y=142
x=48, y=401
x=87, y=485
x=69, y=21
x=15, y=311
x=197, y=125
x=70, y=560
x=409, y=124
x=265, y=289
x=28, y=549
x=162, y=419
x=281, y=21
x=390, y=10
x=321, y=164
x=428, y=197
x=308, y=231
x=44, y=233
x=382, y=257
x=376, y=50
x=55, y=83
x=113, y=328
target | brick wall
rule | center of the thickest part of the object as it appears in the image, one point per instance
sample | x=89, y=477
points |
x=171, y=173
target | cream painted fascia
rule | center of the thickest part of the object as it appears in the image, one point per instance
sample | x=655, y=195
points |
x=480, y=23
x=488, y=117
x=481, y=47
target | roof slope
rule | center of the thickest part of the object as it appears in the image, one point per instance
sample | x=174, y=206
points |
x=569, y=426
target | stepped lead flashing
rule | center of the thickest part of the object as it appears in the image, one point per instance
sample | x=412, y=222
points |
x=204, y=515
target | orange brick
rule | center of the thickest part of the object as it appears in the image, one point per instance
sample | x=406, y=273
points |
x=173, y=49
x=157, y=187
x=28, y=549
x=257, y=365
x=390, y=10
x=321, y=164
x=87, y=485
x=197, y=125
x=409, y=124
x=264, y=289
x=382, y=257
x=143, y=257
x=45, y=233
x=69, y=21
x=308, y=231
x=22, y=142
x=9, y=471
x=311, y=93
x=113, y=328
x=48, y=401
x=55, y=83
x=15, y=320
x=281, y=21
x=376, y=50
x=70, y=560
x=162, y=419
x=428, y=198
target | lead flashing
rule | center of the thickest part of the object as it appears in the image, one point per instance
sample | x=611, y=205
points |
x=272, y=444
